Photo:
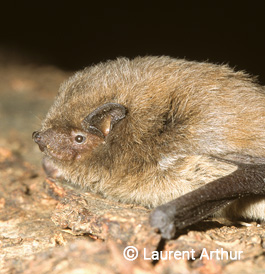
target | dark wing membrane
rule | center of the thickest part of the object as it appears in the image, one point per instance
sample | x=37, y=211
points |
x=247, y=180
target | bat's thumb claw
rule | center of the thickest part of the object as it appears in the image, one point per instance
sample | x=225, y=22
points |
x=161, y=220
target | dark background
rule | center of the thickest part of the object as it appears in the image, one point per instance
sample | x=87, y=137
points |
x=77, y=34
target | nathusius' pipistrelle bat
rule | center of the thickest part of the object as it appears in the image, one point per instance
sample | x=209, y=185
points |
x=185, y=138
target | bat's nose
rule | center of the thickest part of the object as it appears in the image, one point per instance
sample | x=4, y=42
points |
x=36, y=137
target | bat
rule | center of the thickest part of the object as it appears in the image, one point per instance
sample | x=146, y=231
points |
x=184, y=138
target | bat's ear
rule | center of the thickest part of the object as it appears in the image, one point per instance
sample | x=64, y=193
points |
x=101, y=120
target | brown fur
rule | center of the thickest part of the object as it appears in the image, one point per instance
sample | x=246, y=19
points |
x=179, y=114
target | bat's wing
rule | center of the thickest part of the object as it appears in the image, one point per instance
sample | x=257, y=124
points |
x=247, y=180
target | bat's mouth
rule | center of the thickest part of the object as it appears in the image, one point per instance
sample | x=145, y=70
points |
x=63, y=154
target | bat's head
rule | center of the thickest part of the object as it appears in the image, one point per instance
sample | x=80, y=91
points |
x=106, y=114
x=111, y=123
x=69, y=143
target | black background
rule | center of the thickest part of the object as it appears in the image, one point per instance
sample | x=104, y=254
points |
x=76, y=34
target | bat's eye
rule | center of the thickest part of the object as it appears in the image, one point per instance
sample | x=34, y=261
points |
x=80, y=139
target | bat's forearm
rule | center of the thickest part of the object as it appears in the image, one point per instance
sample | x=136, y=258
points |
x=196, y=205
